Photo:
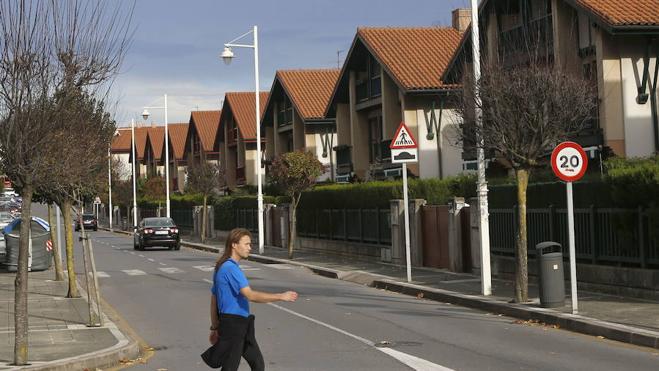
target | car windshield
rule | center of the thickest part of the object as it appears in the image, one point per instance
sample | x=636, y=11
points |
x=87, y=217
x=159, y=222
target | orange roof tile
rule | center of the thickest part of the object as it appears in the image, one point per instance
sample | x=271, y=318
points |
x=157, y=139
x=414, y=57
x=140, y=141
x=309, y=90
x=242, y=106
x=624, y=13
x=121, y=142
x=207, y=124
x=177, y=135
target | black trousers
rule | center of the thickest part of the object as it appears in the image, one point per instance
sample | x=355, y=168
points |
x=237, y=340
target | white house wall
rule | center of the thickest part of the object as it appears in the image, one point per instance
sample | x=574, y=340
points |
x=639, y=133
x=126, y=171
x=325, y=160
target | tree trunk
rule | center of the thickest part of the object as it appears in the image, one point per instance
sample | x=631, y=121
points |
x=20, y=283
x=521, y=254
x=68, y=233
x=203, y=220
x=292, y=220
x=59, y=276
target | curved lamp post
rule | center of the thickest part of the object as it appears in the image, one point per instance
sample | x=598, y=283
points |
x=145, y=115
x=227, y=56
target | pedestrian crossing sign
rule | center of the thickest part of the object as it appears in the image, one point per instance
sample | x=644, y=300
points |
x=403, y=138
x=403, y=146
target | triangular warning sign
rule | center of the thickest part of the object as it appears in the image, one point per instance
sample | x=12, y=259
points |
x=403, y=138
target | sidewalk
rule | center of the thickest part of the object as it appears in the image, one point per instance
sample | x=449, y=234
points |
x=59, y=338
x=623, y=319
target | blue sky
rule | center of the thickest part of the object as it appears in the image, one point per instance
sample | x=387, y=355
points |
x=176, y=45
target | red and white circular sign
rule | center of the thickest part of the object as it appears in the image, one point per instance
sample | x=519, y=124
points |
x=569, y=161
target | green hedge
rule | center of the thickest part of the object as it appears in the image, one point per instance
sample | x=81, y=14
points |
x=634, y=182
x=378, y=194
x=225, y=209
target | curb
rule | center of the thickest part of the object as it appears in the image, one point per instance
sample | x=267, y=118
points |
x=570, y=322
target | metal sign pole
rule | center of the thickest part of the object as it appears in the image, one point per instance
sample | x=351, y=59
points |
x=407, y=225
x=573, y=260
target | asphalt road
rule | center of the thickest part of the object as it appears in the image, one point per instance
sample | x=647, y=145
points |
x=164, y=295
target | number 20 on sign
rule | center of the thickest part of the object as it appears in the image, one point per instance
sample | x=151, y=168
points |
x=569, y=162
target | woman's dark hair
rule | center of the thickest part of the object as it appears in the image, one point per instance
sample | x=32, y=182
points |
x=234, y=237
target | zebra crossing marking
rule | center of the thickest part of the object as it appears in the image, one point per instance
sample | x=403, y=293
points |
x=279, y=266
x=171, y=270
x=205, y=268
x=101, y=274
x=134, y=272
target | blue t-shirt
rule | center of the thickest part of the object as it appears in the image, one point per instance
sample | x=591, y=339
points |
x=229, y=279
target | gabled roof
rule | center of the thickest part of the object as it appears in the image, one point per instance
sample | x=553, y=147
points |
x=177, y=136
x=621, y=13
x=121, y=142
x=309, y=90
x=242, y=105
x=413, y=57
x=140, y=141
x=206, y=123
x=157, y=139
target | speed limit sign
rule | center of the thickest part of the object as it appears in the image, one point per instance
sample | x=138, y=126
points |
x=569, y=161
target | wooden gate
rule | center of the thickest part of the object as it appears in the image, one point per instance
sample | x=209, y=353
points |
x=434, y=219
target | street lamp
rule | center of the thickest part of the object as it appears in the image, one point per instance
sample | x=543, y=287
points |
x=227, y=55
x=484, y=226
x=145, y=115
x=132, y=136
x=116, y=133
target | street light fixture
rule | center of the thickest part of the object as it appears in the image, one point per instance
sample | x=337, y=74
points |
x=145, y=116
x=132, y=136
x=227, y=55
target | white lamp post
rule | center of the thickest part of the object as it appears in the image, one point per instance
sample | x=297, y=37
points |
x=484, y=226
x=145, y=115
x=227, y=55
x=132, y=134
x=110, y=187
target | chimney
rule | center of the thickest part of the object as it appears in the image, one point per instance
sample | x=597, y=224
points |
x=461, y=19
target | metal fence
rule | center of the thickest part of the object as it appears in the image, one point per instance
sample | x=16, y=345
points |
x=357, y=225
x=183, y=218
x=248, y=219
x=602, y=236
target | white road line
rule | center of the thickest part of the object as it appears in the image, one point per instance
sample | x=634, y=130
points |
x=132, y=253
x=250, y=269
x=409, y=360
x=205, y=280
x=134, y=272
x=151, y=260
x=279, y=266
x=171, y=270
x=162, y=263
x=204, y=268
x=100, y=274
x=141, y=256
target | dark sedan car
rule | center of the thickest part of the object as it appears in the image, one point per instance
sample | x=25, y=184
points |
x=157, y=232
x=89, y=221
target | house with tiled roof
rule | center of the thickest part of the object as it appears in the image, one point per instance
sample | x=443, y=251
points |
x=120, y=150
x=141, y=135
x=152, y=151
x=611, y=42
x=237, y=138
x=294, y=117
x=202, y=130
x=178, y=133
x=392, y=75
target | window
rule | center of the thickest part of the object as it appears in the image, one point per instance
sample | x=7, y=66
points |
x=585, y=35
x=285, y=112
x=369, y=82
x=375, y=138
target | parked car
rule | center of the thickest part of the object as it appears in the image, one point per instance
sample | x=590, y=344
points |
x=5, y=219
x=158, y=231
x=89, y=221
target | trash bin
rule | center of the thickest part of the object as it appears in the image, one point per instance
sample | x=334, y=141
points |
x=551, y=284
x=41, y=255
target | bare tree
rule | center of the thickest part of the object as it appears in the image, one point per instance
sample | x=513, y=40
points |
x=294, y=173
x=527, y=111
x=45, y=46
x=204, y=178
